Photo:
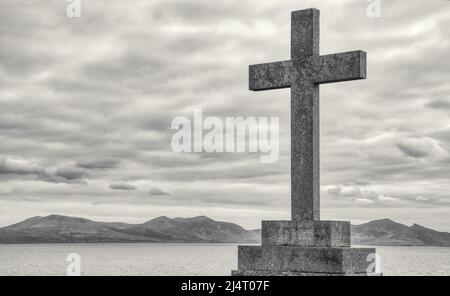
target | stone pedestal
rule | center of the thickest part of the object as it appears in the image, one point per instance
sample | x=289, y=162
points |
x=304, y=248
x=306, y=234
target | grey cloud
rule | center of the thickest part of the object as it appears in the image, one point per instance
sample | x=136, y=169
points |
x=24, y=169
x=122, y=186
x=439, y=104
x=98, y=163
x=353, y=190
x=199, y=12
x=71, y=173
x=62, y=180
x=409, y=150
x=156, y=191
x=32, y=198
x=421, y=147
x=368, y=195
x=18, y=166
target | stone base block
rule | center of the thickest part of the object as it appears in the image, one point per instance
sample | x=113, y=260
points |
x=306, y=233
x=299, y=260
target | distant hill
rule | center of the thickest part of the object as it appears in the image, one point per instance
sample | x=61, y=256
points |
x=387, y=232
x=62, y=229
x=195, y=229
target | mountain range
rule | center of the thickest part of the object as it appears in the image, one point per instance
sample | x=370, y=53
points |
x=63, y=229
x=386, y=232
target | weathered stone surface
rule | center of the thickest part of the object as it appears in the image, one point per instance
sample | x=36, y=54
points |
x=303, y=74
x=341, y=67
x=308, y=233
x=270, y=76
x=282, y=259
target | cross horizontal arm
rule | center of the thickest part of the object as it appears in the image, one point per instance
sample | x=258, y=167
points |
x=270, y=75
x=339, y=67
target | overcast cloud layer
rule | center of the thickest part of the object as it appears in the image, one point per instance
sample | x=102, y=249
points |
x=86, y=106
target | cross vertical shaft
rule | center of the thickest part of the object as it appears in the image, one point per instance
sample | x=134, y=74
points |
x=305, y=167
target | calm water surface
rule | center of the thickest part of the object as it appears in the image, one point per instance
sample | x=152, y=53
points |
x=184, y=259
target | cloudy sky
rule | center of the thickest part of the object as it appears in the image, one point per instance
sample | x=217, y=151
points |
x=87, y=103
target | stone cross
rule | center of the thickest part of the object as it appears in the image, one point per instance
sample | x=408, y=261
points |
x=306, y=70
x=305, y=245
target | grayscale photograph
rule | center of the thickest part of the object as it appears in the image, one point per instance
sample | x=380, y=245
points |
x=226, y=138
